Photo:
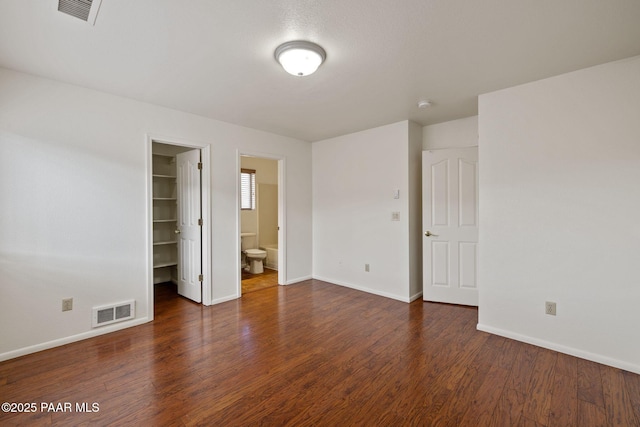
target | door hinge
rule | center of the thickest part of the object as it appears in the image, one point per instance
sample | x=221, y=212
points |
x=199, y=165
x=200, y=277
x=200, y=222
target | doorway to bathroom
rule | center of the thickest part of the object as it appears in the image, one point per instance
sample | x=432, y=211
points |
x=260, y=219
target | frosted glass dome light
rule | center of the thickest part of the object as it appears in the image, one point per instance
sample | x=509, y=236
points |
x=300, y=58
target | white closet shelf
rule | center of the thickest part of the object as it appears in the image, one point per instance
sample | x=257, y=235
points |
x=165, y=264
x=164, y=200
x=166, y=242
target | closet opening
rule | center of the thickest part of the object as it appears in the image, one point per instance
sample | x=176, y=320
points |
x=179, y=236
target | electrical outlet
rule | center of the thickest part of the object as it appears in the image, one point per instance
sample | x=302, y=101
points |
x=395, y=216
x=366, y=268
x=550, y=308
x=67, y=304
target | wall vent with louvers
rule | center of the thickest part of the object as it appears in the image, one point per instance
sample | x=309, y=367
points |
x=108, y=314
x=87, y=10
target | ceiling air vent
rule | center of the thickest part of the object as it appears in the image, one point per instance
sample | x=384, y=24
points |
x=87, y=10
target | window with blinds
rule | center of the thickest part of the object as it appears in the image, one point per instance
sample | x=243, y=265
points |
x=248, y=189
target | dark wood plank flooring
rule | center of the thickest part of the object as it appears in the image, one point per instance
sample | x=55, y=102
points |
x=315, y=354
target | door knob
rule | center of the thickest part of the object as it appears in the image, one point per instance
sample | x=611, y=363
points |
x=429, y=234
x=177, y=231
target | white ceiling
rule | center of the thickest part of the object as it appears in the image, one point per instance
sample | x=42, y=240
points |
x=215, y=57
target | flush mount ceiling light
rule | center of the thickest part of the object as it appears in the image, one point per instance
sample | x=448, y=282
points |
x=300, y=58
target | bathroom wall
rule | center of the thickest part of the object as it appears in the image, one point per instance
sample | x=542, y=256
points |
x=267, y=214
x=266, y=174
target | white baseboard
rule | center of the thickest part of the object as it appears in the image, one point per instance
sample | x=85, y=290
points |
x=224, y=299
x=298, y=280
x=415, y=296
x=73, y=338
x=561, y=348
x=364, y=289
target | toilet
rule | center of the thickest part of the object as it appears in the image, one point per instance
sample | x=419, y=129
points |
x=254, y=259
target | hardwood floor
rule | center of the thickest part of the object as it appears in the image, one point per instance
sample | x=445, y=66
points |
x=255, y=282
x=315, y=354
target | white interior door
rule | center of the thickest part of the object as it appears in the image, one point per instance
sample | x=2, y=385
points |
x=189, y=230
x=450, y=222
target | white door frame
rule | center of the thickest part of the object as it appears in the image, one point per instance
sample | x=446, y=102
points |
x=282, y=217
x=206, y=214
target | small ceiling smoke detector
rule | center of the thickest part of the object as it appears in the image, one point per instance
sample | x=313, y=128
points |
x=424, y=104
x=300, y=58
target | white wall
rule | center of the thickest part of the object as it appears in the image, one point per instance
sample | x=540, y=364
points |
x=560, y=210
x=453, y=134
x=73, y=191
x=354, y=177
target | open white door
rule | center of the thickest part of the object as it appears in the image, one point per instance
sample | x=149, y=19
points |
x=450, y=222
x=189, y=229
